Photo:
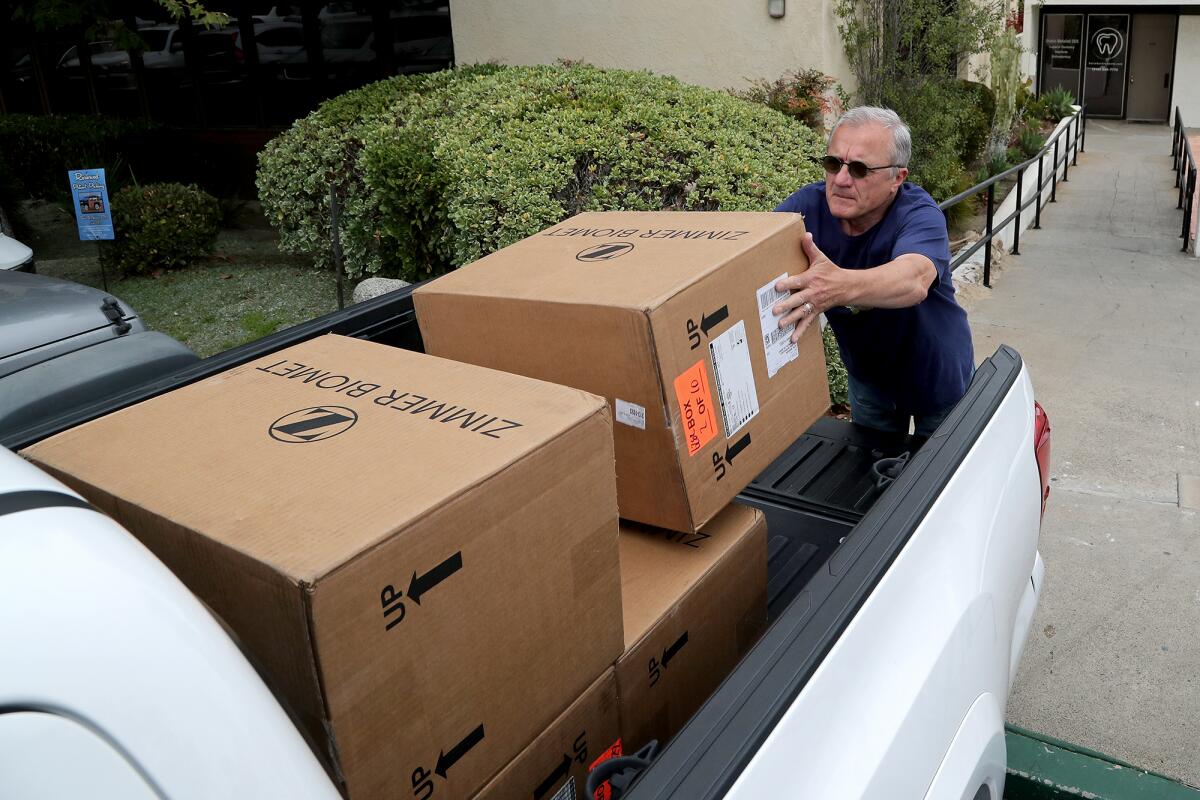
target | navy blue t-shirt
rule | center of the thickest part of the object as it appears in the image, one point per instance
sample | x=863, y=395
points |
x=920, y=357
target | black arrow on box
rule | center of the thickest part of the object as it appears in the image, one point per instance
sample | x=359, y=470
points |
x=710, y=321
x=732, y=450
x=674, y=649
x=560, y=772
x=420, y=584
x=447, y=760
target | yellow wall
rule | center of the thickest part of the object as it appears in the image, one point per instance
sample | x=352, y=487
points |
x=715, y=43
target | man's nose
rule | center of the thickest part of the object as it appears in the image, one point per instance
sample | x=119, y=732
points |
x=843, y=177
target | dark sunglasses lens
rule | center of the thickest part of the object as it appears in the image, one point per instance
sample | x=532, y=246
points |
x=858, y=169
x=832, y=165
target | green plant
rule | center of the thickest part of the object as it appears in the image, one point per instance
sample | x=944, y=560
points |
x=436, y=171
x=37, y=151
x=1014, y=156
x=809, y=96
x=992, y=166
x=934, y=114
x=160, y=226
x=1030, y=141
x=1059, y=102
x=1006, y=81
x=975, y=104
x=835, y=370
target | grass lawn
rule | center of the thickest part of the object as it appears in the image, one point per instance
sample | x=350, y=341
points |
x=245, y=291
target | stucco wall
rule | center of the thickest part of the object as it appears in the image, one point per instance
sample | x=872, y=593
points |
x=714, y=43
x=1186, y=90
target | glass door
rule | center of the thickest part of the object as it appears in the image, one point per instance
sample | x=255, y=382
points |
x=1106, y=55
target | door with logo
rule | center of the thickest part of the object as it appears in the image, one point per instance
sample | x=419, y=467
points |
x=1105, y=59
x=1151, y=58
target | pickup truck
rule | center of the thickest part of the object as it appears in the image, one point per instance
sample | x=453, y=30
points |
x=903, y=579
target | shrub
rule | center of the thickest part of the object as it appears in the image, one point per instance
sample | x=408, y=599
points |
x=160, y=226
x=1059, y=102
x=976, y=105
x=934, y=115
x=439, y=170
x=1030, y=142
x=37, y=151
x=296, y=169
x=1006, y=82
x=835, y=370
x=809, y=96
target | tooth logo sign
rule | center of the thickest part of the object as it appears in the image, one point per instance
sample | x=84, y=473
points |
x=1109, y=43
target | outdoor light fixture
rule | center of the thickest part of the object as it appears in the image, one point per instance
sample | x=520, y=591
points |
x=776, y=8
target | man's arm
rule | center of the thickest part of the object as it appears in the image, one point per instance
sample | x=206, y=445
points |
x=902, y=282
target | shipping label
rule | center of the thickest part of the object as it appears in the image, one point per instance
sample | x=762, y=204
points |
x=735, y=378
x=696, y=412
x=631, y=414
x=777, y=342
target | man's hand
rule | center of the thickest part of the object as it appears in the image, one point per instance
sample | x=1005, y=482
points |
x=822, y=286
x=902, y=282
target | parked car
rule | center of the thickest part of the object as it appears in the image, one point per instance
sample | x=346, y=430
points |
x=14, y=255
x=164, y=47
x=63, y=345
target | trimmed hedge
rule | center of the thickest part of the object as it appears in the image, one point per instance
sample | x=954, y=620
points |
x=437, y=170
x=161, y=226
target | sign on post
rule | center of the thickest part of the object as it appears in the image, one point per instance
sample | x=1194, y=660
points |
x=89, y=190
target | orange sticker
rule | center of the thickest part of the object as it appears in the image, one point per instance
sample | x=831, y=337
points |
x=696, y=407
x=604, y=790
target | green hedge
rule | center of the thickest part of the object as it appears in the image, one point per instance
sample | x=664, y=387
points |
x=161, y=226
x=438, y=170
x=37, y=151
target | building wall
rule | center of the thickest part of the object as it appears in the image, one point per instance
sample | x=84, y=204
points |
x=1186, y=88
x=715, y=43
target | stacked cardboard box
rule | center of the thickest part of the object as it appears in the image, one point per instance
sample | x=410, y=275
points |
x=693, y=605
x=408, y=545
x=669, y=317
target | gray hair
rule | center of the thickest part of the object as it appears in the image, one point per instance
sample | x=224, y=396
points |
x=901, y=137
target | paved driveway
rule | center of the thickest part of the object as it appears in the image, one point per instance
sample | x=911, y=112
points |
x=1105, y=311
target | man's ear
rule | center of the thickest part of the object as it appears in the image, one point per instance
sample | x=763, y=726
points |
x=901, y=176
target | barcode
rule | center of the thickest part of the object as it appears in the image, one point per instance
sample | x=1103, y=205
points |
x=777, y=335
x=768, y=297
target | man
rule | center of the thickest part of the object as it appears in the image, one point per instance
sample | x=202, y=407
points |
x=879, y=269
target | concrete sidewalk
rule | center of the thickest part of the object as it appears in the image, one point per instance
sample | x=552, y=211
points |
x=1105, y=311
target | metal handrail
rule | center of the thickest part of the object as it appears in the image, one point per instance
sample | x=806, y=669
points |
x=1070, y=157
x=1184, y=164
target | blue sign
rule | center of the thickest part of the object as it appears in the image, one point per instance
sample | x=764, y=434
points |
x=90, y=193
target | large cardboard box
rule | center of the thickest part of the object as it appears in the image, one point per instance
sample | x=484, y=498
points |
x=668, y=316
x=693, y=605
x=557, y=763
x=422, y=553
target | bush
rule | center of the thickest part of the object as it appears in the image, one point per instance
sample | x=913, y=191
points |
x=438, y=170
x=1059, y=102
x=37, y=151
x=1030, y=141
x=835, y=370
x=160, y=226
x=810, y=96
x=934, y=115
x=976, y=105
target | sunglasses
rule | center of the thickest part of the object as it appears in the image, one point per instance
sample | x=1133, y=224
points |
x=858, y=170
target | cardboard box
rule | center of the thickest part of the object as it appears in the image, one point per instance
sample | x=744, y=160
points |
x=583, y=735
x=667, y=315
x=421, y=553
x=693, y=605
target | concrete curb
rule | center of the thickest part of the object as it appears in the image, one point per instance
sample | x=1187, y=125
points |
x=1044, y=768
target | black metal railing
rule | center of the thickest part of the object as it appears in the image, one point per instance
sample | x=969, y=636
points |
x=1184, y=163
x=1073, y=137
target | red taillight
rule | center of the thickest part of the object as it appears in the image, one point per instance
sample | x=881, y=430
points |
x=237, y=51
x=1041, y=449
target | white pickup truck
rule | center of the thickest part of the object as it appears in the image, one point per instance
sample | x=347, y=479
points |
x=901, y=591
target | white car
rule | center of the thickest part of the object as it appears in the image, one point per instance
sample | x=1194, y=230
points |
x=14, y=255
